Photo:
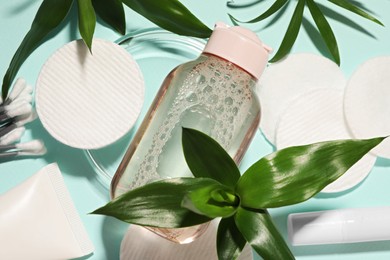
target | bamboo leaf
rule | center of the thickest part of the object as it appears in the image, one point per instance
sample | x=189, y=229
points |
x=87, y=21
x=325, y=30
x=170, y=15
x=234, y=20
x=157, y=204
x=230, y=241
x=214, y=200
x=111, y=12
x=276, y=6
x=206, y=158
x=291, y=33
x=50, y=14
x=258, y=229
x=295, y=174
x=353, y=8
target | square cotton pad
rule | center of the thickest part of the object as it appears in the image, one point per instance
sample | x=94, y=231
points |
x=89, y=100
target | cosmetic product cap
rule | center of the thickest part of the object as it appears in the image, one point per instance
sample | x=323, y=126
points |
x=89, y=100
x=239, y=46
x=339, y=226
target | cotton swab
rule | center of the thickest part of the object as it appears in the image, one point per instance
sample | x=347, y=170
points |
x=7, y=129
x=25, y=98
x=12, y=136
x=27, y=90
x=14, y=111
x=33, y=148
x=11, y=109
x=27, y=118
x=18, y=87
x=22, y=99
x=33, y=153
x=33, y=145
x=17, y=122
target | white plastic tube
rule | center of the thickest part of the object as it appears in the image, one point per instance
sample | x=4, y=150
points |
x=339, y=226
x=38, y=220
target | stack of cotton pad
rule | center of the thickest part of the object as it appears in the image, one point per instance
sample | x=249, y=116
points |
x=284, y=81
x=89, y=100
x=303, y=102
x=140, y=243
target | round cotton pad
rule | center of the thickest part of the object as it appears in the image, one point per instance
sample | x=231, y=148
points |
x=89, y=100
x=285, y=80
x=139, y=243
x=367, y=103
x=315, y=117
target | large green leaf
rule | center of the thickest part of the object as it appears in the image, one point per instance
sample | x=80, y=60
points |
x=295, y=174
x=112, y=12
x=170, y=15
x=276, y=6
x=206, y=158
x=291, y=33
x=260, y=232
x=87, y=21
x=230, y=241
x=50, y=14
x=157, y=204
x=353, y=8
x=325, y=30
x=214, y=200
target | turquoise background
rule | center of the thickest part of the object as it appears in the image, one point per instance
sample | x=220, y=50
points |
x=358, y=39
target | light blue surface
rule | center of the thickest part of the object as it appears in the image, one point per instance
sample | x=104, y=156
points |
x=356, y=46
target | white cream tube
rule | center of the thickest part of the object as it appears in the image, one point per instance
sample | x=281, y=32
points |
x=38, y=220
x=339, y=226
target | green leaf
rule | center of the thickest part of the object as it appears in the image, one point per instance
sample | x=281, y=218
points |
x=325, y=30
x=277, y=5
x=214, y=200
x=258, y=229
x=157, y=204
x=206, y=158
x=111, y=12
x=234, y=20
x=170, y=15
x=295, y=174
x=230, y=241
x=291, y=33
x=353, y=8
x=50, y=14
x=87, y=21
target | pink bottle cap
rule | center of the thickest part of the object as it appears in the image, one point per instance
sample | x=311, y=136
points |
x=239, y=46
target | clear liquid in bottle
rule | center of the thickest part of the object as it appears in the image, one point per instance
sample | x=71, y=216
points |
x=210, y=94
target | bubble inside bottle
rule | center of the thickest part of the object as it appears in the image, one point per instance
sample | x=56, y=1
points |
x=212, y=99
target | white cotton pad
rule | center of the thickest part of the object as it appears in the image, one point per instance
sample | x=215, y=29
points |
x=367, y=103
x=315, y=117
x=139, y=243
x=285, y=80
x=89, y=100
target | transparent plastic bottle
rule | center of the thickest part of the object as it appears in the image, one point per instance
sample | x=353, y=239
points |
x=213, y=94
